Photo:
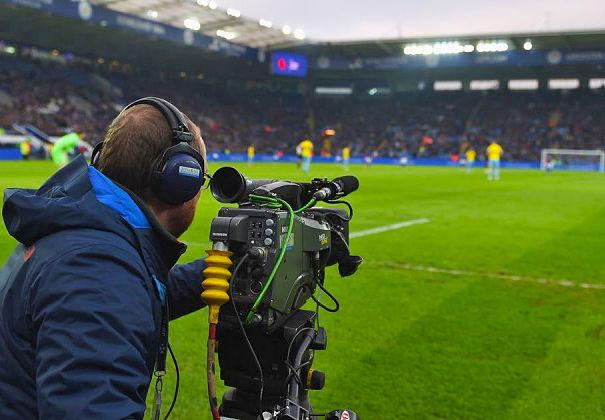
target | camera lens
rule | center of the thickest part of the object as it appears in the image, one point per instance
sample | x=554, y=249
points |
x=227, y=185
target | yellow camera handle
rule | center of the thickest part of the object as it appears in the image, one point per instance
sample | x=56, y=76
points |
x=215, y=294
x=216, y=282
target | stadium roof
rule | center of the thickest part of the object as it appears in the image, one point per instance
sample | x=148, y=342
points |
x=209, y=19
x=394, y=47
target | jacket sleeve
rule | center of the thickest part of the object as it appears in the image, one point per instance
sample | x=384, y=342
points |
x=184, y=288
x=95, y=332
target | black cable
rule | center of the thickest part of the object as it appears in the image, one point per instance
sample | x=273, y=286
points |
x=346, y=203
x=331, y=296
x=176, y=387
x=292, y=373
x=297, y=377
x=294, y=338
x=292, y=369
x=300, y=289
x=243, y=330
x=321, y=305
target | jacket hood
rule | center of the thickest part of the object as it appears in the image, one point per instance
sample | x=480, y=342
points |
x=79, y=196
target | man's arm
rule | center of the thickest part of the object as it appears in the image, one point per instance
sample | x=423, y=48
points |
x=184, y=286
x=94, y=329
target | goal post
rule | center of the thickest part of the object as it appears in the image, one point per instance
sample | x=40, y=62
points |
x=586, y=160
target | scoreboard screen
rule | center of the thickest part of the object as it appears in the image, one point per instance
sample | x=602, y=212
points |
x=289, y=64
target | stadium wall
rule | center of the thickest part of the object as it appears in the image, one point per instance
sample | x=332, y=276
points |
x=10, y=153
x=237, y=157
x=13, y=153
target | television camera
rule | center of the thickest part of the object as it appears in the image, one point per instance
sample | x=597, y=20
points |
x=277, y=245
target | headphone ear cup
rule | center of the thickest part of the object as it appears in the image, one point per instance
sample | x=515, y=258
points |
x=177, y=178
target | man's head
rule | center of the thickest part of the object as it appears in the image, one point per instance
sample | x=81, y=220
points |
x=133, y=143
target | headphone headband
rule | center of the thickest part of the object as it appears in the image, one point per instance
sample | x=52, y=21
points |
x=174, y=117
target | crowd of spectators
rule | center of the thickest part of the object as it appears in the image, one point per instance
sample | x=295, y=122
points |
x=58, y=99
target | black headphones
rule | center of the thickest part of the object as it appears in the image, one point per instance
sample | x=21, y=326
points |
x=178, y=173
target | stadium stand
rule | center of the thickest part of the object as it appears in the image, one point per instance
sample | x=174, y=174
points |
x=58, y=97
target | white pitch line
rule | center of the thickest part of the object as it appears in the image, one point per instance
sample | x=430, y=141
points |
x=387, y=228
x=359, y=234
x=511, y=277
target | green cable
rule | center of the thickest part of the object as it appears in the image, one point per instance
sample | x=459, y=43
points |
x=272, y=202
x=311, y=203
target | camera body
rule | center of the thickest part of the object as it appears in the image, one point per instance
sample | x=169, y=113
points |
x=263, y=231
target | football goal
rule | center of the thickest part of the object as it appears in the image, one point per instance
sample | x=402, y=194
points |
x=575, y=160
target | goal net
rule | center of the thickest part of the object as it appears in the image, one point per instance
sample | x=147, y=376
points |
x=575, y=160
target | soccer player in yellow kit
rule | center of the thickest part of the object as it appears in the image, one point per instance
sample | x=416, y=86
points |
x=346, y=156
x=306, y=152
x=494, y=153
x=470, y=159
x=26, y=149
x=250, y=154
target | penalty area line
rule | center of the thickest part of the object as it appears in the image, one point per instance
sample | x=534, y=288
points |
x=388, y=228
x=500, y=276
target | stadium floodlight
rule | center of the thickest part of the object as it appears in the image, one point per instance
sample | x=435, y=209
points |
x=418, y=49
x=454, y=47
x=266, y=23
x=226, y=34
x=286, y=30
x=212, y=4
x=299, y=34
x=332, y=90
x=523, y=84
x=484, y=85
x=491, y=46
x=447, y=85
x=234, y=12
x=563, y=84
x=379, y=91
x=575, y=160
x=527, y=45
x=597, y=83
x=443, y=47
x=152, y=14
x=192, y=23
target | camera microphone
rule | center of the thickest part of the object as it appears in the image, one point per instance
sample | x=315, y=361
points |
x=338, y=187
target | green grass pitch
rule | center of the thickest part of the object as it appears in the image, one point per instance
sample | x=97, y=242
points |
x=479, y=313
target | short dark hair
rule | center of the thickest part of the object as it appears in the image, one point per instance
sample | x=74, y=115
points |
x=134, y=141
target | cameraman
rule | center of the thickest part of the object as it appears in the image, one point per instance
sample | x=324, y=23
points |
x=84, y=305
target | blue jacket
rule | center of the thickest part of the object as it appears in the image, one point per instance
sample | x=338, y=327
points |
x=81, y=300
